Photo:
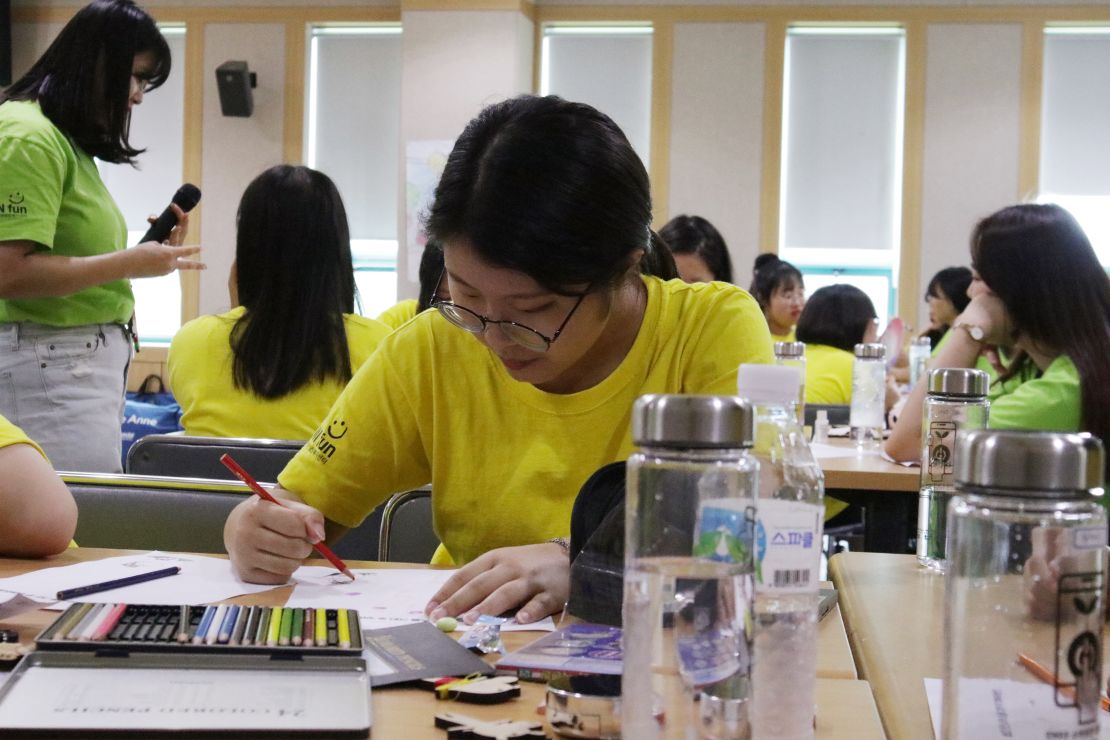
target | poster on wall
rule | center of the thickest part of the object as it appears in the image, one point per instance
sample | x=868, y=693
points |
x=424, y=163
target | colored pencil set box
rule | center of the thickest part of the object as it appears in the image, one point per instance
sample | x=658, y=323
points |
x=195, y=629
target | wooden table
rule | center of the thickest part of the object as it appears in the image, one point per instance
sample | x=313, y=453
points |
x=887, y=492
x=845, y=706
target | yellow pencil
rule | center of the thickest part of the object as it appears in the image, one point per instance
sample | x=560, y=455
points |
x=344, y=629
x=275, y=626
x=321, y=627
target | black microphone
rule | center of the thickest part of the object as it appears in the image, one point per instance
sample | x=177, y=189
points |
x=186, y=198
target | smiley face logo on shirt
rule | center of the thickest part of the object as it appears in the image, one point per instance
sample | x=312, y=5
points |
x=16, y=198
x=337, y=428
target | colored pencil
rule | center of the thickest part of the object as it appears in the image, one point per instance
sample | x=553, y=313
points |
x=264, y=613
x=285, y=631
x=275, y=626
x=109, y=622
x=213, y=632
x=356, y=628
x=1049, y=678
x=240, y=626
x=89, y=615
x=344, y=626
x=297, y=629
x=205, y=621
x=321, y=627
x=309, y=627
x=89, y=625
x=228, y=625
x=244, y=476
x=252, y=625
x=71, y=621
x=95, y=588
x=183, y=619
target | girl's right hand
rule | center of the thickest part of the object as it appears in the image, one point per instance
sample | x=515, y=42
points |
x=267, y=542
x=152, y=259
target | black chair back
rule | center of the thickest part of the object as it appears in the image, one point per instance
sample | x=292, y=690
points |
x=182, y=456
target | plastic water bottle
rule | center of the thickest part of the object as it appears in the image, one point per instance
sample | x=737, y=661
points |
x=688, y=583
x=793, y=354
x=866, y=416
x=1026, y=572
x=789, y=524
x=821, y=427
x=920, y=350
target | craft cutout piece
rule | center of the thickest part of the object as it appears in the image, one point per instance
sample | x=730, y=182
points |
x=475, y=689
x=462, y=727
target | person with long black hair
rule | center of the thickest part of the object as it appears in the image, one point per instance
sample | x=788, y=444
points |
x=274, y=364
x=1038, y=288
x=781, y=292
x=65, y=298
x=512, y=393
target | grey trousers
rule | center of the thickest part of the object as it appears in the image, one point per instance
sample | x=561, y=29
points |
x=65, y=388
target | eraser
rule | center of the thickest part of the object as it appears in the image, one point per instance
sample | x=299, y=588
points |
x=447, y=624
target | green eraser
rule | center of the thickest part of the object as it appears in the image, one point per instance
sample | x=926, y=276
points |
x=447, y=624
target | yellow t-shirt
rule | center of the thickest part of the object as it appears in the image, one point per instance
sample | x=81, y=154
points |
x=787, y=337
x=506, y=459
x=200, y=373
x=10, y=435
x=828, y=374
x=396, y=315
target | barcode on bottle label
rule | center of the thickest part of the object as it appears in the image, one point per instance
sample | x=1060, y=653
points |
x=787, y=578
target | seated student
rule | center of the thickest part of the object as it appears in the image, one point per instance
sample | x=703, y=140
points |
x=699, y=250
x=509, y=396
x=1038, y=287
x=431, y=267
x=273, y=365
x=836, y=318
x=39, y=514
x=946, y=296
x=781, y=292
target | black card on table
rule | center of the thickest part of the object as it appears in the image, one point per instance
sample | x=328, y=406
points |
x=413, y=651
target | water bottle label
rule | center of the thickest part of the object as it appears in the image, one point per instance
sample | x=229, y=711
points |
x=724, y=532
x=1089, y=538
x=940, y=465
x=787, y=546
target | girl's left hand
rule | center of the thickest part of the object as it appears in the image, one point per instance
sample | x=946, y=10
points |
x=537, y=576
x=179, y=232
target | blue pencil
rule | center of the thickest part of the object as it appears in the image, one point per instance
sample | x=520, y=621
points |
x=228, y=625
x=205, y=621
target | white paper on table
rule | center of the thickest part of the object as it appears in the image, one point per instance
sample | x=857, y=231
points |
x=15, y=603
x=384, y=597
x=822, y=451
x=1008, y=709
x=202, y=580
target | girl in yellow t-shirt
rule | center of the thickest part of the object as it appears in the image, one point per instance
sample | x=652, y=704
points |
x=511, y=394
x=699, y=250
x=273, y=365
x=39, y=512
x=835, y=320
x=781, y=292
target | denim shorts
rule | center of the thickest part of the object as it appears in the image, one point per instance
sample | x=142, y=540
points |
x=65, y=387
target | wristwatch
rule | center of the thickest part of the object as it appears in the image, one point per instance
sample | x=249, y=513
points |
x=973, y=331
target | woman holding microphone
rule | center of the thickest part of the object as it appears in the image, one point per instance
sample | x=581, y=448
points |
x=65, y=297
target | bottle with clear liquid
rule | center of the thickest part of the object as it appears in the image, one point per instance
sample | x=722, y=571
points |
x=920, y=350
x=956, y=404
x=790, y=514
x=867, y=413
x=1026, y=571
x=793, y=354
x=689, y=570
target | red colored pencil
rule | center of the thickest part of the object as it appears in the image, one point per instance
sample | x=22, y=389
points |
x=244, y=476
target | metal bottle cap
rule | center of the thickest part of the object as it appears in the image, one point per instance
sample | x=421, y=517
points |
x=958, y=381
x=794, y=350
x=874, y=351
x=1024, y=463
x=714, y=422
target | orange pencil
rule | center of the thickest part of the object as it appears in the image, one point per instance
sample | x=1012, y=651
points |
x=320, y=547
x=1047, y=676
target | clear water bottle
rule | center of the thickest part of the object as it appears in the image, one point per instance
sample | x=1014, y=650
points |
x=793, y=354
x=956, y=403
x=867, y=414
x=689, y=571
x=920, y=350
x=789, y=523
x=1024, y=589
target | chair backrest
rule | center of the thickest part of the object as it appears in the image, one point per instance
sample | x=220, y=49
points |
x=407, y=534
x=175, y=514
x=837, y=413
x=184, y=456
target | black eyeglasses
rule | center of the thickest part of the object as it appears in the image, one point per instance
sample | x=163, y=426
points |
x=475, y=323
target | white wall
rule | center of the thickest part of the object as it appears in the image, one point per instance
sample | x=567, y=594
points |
x=972, y=110
x=236, y=150
x=717, y=117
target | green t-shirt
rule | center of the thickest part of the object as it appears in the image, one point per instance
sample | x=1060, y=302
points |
x=1049, y=403
x=51, y=193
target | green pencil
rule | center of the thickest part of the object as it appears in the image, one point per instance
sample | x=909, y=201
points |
x=298, y=626
x=286, y=626
x=263, y=626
